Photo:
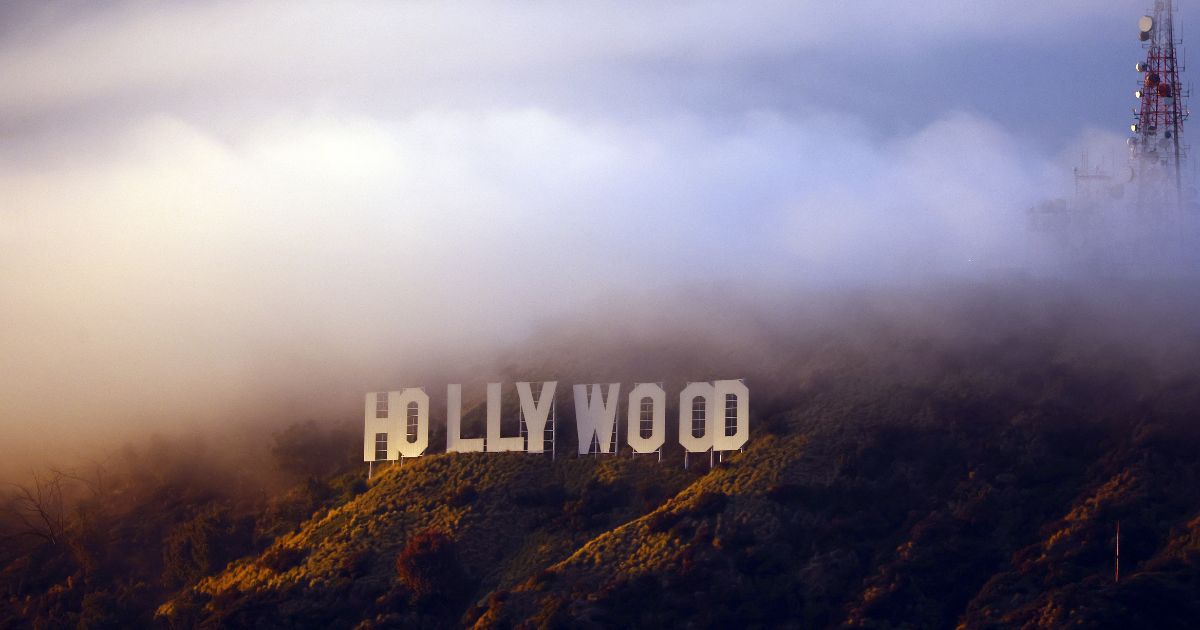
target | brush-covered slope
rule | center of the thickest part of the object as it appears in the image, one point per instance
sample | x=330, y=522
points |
x=935, y=510
x=893, y=480
x=498, y=518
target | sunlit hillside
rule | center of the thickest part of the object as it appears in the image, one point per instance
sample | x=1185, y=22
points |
x=899, y=473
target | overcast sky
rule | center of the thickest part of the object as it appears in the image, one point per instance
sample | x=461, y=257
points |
x=207, y=206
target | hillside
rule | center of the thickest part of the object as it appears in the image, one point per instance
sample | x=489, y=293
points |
x=506, y=516
x=963, y=463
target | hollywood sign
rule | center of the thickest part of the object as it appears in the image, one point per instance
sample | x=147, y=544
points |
x=397, y=422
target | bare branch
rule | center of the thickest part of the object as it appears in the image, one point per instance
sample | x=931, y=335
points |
x=39, y=508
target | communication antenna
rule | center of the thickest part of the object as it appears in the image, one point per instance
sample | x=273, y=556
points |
x=1157, y=145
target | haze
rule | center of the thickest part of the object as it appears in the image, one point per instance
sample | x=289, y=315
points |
x=217, y=212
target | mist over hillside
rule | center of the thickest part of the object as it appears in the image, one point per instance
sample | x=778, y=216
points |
x=784, y=343
x=194, y=238
x=977, y=419
x=790, y=342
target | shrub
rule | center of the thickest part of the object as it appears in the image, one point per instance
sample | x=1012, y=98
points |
x=280, y=559
x=206, y=543
x=709, y=504
x=464, y=496
x=787, y=493
x=429, y=567
x=660, y=522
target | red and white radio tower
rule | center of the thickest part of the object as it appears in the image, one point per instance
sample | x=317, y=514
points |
x=1141, y=218
x=1157, y=142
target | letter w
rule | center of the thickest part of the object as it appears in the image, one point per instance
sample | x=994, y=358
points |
x=596, y=416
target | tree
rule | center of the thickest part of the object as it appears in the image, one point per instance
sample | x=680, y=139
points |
x=39, y=508
x=304, y=449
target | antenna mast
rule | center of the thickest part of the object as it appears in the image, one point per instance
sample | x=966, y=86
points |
x=1142, y=217
x=1157, y=144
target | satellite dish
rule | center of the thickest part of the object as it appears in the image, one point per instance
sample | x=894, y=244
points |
x=1145, y=23
x=1141, y=67
x=1137, y=94
x=1127, y=173
x=1143, y=36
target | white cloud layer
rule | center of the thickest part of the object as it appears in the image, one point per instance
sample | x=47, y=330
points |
x=212, y=209
x=184, y=265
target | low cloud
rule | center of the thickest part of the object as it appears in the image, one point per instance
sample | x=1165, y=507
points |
x=185, y=278
x=224, y=213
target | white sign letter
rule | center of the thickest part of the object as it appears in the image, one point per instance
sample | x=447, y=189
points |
x=536, y=415
x=695, y=417
x=495, y=443
x=594, y=416
x=454, y=441
x=647, y=401
x=397, y=424
x=734, y=400
x=412, y=422
x=375, y=427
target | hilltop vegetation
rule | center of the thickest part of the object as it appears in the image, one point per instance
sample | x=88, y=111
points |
x=964, y=464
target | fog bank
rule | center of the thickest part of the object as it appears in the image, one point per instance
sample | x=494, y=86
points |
x=219, y=215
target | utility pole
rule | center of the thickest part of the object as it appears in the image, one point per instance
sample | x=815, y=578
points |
x=1117, y=565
